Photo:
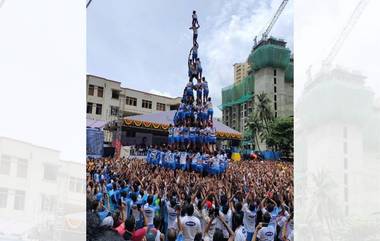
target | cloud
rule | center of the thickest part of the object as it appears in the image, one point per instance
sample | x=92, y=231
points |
x=230, y=39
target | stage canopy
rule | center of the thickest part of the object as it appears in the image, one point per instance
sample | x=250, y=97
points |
x=95, y=123
x=162, y=120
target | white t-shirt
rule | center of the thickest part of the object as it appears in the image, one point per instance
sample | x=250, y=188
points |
x=149, y=213
x=249, y=219
x=211, y=230
x=158, y=235
x=266, y=234
x=172, y=217
x=240, y=234
x=228, y=219
x=191, y=226
x=136, y=213
x=182, y=159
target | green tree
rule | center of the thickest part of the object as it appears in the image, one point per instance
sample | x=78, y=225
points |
x=256, y=127
x=280, y=135
x=260, y=118
x=263, y=110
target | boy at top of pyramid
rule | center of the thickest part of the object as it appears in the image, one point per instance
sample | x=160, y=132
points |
x=195, y=18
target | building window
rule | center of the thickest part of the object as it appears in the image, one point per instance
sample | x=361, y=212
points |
x=131, y=101
x=114, y=110
x=275, y=105
x=22, y=168
x=160, y=106
x=89, y=108
x=274, y=72
x=275, y=81
x=275, y=97
x=3, y=197
x=275, y=89
x=115, y=94
x=100, y=91
x=98, y=109
x=174, y=107
x=91, y=90
x=19, y=200
x=5, y=165
x=147, y=104
x=50, y=172
x=275, y=114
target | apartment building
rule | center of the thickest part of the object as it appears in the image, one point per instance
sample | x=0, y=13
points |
x=107, y=100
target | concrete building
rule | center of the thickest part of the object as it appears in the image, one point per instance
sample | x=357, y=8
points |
x=38, y=190
x=241, y=71
x=107, y=99
x=270, y=72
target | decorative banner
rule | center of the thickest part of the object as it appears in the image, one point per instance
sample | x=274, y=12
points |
x=165, y=127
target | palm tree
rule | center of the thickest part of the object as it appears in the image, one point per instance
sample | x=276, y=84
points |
x=263, y=109
x=256, y=127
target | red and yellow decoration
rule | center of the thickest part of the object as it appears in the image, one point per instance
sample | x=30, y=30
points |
x=165, y=127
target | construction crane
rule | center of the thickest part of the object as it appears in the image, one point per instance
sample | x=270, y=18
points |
x=273, y=21
x=88, y=3
x=344, y=34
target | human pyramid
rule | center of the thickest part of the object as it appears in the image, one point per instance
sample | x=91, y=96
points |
x=192, y=137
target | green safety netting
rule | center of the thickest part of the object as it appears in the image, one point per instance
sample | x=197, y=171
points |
x=269, y=55
x=289, y=73
x=238, y=92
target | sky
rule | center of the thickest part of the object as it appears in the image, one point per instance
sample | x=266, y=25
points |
x=145, y=44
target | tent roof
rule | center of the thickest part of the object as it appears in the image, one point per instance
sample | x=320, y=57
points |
x=95, y=123
x=165, y=118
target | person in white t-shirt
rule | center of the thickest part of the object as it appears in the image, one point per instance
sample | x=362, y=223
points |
x=240, y=231
x=249, y=220
x=149, y=211
x=211, y=224
x=172, y=214
x=225, y=214
x=264, y=231
x=190, y=224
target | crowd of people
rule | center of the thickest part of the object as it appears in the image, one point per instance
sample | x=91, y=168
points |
x=130, y=199
x=187, y=160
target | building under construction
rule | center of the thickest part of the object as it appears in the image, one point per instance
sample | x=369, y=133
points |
x=271, y=72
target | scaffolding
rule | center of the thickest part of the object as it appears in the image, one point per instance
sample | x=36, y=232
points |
x=270, y=53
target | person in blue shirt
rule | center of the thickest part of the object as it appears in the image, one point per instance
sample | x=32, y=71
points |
x=189, y=91
x=199, y=68
x=170, y=136
x=198, y=88
x=210, y=110
x=192, y=137
x=186, y=135
x=205, y=89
